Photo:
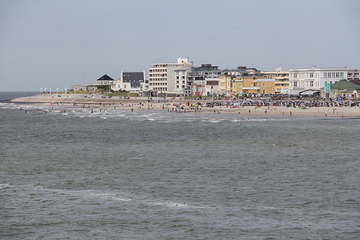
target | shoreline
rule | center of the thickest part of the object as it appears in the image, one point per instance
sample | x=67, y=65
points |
x=141, y=103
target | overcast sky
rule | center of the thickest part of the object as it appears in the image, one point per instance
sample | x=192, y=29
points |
x=56, y=43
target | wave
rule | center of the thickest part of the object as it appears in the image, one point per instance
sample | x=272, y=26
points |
x=119, y=196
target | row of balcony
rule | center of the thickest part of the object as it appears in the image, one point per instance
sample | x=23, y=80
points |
x=158, y=70
x=157, y=79
x=157, y=84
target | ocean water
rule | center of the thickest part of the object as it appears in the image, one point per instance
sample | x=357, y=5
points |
x=7, y=96
x=67, y=173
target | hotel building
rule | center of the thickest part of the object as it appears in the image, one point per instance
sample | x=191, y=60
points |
x=310, y=80
x=162, y=77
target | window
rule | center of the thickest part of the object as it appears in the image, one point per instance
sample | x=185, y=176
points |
x=337, y=74
x=295, y=84
x=264, y=84
x=239, y=84
x=325, y=74
x=333, y=74
x=295, y=75
x=311, y=75
x=329, y=75
x=311, y=83
x=264, y=91
x=341, y=74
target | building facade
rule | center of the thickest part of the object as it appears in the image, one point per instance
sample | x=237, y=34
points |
x=353, y=75
x=205, y=87
x=105, y=80
x=229, y=84
x=162, y=77
x=133, y=82
x=281, y=79
x=314, y=79
x=183, y=81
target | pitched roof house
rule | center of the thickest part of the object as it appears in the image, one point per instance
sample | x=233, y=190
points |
x=345, y=88
x=105, y=80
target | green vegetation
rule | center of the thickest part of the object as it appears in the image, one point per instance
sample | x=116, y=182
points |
x=80, y=92
x=103, y=88
x=122, y=94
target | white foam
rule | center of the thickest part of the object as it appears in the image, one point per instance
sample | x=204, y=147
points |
x=121, y=197
x=4, y=185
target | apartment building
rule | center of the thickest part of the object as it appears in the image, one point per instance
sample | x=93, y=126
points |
x=228, y=84
x=256, y=83
x=183, y=81
x=204, y=80
x=281, y=80
x=231, y=82
x=162, y=77
x=353, y=75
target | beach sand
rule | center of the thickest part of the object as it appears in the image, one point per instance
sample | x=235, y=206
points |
x=141, y=103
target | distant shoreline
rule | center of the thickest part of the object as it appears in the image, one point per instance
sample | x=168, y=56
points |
x=141, y=103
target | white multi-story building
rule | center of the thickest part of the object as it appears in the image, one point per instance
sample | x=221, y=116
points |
x=182, y=80
x=162, y=77
x=314, y=79
x=353, y=75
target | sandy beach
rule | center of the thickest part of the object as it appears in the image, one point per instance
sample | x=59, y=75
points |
x=143, y=103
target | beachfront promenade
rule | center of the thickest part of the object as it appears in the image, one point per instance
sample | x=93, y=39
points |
x=181, y=105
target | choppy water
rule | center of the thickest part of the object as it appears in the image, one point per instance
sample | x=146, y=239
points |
x=160, y=175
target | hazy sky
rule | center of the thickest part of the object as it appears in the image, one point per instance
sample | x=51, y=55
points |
x=56, y=43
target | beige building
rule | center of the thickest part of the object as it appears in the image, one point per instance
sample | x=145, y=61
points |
x=281, y=79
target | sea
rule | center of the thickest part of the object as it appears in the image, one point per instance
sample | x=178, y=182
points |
x=77, y=173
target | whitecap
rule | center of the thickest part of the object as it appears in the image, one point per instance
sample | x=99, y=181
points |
x=4, y=185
